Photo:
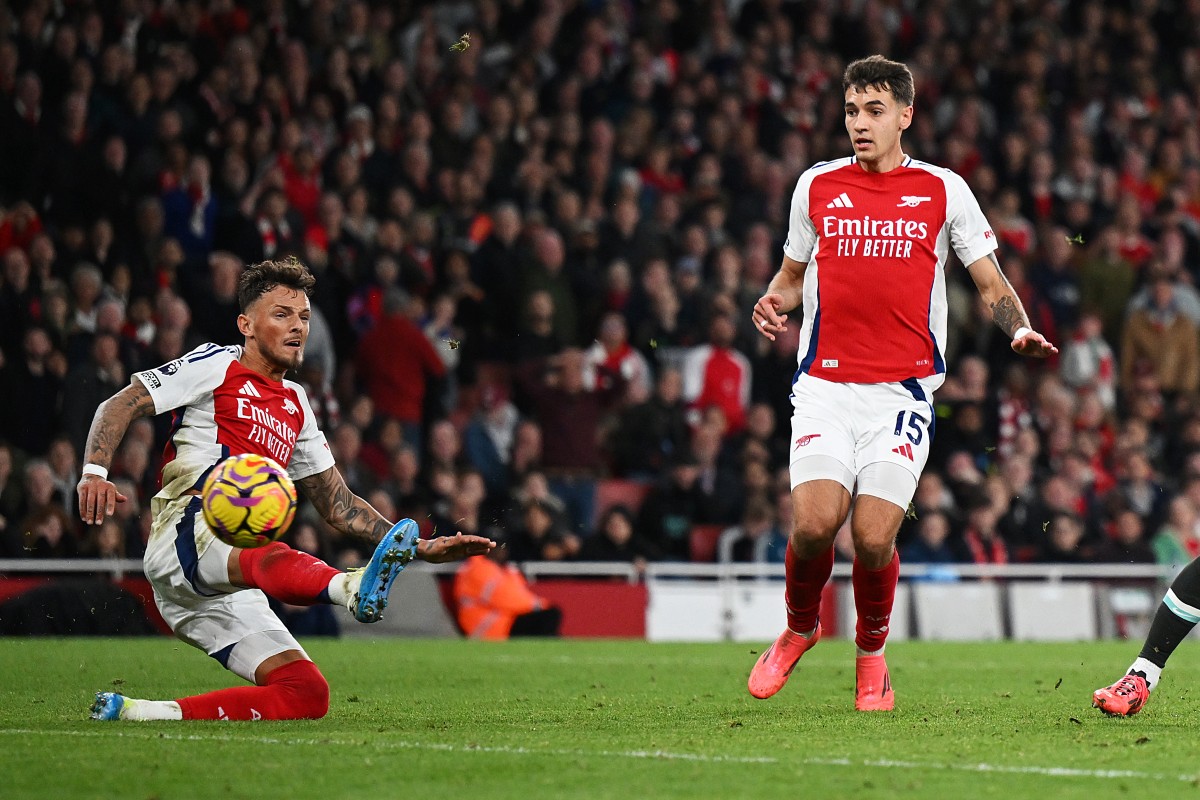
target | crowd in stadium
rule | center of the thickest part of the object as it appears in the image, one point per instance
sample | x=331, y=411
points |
x=538, y=228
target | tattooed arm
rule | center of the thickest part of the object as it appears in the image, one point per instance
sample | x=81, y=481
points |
x=1007, y=311
x=98, y=497
x=347, y=513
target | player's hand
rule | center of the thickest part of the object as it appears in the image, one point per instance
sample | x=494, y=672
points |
x=766, y=315
x=1034, y=345
x=453, y=548
x=98, y=499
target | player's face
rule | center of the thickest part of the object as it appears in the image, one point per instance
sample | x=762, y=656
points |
x=875, y=121
x=276, y=325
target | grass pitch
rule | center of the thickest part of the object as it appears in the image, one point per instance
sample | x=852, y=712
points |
x=565, y=719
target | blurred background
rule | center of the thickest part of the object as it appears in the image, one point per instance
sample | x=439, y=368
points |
x=538, y=229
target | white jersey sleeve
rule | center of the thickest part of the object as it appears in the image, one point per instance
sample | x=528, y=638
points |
x=802, y=234
x=970, y=234
x=187, y=379
x=312, y=454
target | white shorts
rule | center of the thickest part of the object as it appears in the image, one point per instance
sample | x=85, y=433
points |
x=189, y=570
x=873, y=437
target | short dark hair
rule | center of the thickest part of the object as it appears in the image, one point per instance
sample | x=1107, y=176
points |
x=259, y=279
x=877, y=72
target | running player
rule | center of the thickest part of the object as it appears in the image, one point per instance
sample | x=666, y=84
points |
x=867, y=243
x=229, y=400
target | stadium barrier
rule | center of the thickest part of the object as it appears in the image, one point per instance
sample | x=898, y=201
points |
x=743, y=602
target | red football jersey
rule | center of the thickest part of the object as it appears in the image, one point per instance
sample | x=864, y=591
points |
x=221, y=408
x=876, y=246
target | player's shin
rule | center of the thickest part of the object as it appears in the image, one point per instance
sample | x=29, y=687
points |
x=874, y=595
x=291, y=576
x=805, y=581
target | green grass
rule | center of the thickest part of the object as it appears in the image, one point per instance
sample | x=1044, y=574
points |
x=417, y=719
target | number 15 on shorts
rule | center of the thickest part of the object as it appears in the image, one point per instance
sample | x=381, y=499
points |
x=914, y=429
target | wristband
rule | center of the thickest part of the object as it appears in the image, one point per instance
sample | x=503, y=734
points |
x=95, y=469
x=1022, y=331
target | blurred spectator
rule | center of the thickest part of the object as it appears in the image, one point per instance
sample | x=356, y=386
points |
x=748, y=541
x=1062, y=540
x=612, y=354
x=981, y=538
x=18, y=299
x=1161, y=340
x=462, y=513
x=395, y=361
x=931, y=544
x=617, y=539
x=1106, y=282
x=672, y=507
x=488, y=440
x=1128, y=544
x=1177, y=542
x=570, y=413
x=715, y=375
x=647, y=434
x=1088, y=363
x=30, y=393
x=91, y=383
x=538, y=536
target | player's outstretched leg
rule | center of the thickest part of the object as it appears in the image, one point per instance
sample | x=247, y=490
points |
x=1176, y=616
x=296, y=690
x=368, y=587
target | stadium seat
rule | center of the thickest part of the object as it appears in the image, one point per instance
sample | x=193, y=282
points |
x=702, y=542
x=619, y=492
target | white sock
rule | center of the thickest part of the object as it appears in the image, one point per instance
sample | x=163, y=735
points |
x=340, y=588
x=858, y=652
x=1148, y=668
x=142, y=710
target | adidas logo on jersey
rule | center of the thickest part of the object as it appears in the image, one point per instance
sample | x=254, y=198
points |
x=904, y=450
x=249, y=390
x=841, y=201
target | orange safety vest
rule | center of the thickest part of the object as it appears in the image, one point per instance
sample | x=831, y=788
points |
x=490, y=596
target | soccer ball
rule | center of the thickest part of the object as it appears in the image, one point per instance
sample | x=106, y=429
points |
x=248, y=500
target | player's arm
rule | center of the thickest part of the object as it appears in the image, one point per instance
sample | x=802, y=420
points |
x=1007, y=311
x=785, y=292
x=98, y=497
x=349, y=514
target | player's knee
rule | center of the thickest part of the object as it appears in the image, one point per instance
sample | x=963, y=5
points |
x=306, y=688
x=811, y=536
x=314, y=696
x=813, y=530
x=875, y=552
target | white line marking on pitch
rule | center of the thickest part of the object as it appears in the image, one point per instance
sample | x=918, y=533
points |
x=664, y=755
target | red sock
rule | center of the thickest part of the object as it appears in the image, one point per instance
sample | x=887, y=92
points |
x=294, y=691
x=874, y=593
x=290, y=576
x=805, y=581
